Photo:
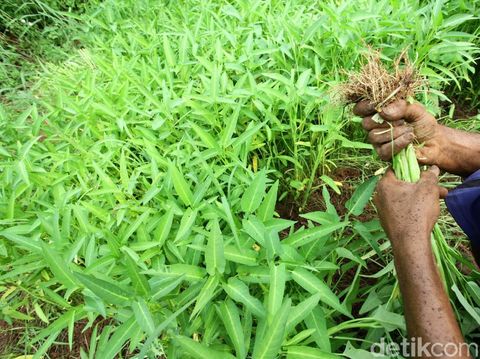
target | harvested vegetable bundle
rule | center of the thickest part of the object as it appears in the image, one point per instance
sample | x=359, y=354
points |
x=379, y=86
x=375, y=83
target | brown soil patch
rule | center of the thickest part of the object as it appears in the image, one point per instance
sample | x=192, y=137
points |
x=13, y=337
x=349, y=177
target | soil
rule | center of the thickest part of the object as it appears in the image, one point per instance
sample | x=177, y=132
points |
x=349, y=177
x=11, y=339
x=463, y=109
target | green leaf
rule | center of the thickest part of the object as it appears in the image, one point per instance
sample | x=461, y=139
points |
x=186, y=225
x=107, y=291
x=345, y=253
x=238, y=291
x=456, y=20
x=30, y=243
x=143, y=316
x=58, y=267
x=167, y=287
x=272, y=244
x=255, y=229
x=198, y=350
x=163, y=227
x=214, y=253
x=134, y=226
x=230, y=220
x=301, y=311
x=206, y=295
x=118, y=339
x=168, y=52
x=303, y=352
x=354, y=353
x=276, y=289
x=268, y=346
x=267, y=208
x=312, y=284
x=303, y=237
x=303, y=79
x=244, y=256
x=206, y=138
x=389, y=320
x=181, y=186
x=299, y=337
x=190, y=272
x=316, y=320
x=160, y=328
x=40, y=313
x=230, y=317
x=361, y=196
x=331, y=183
x=254, y=193
x=58, y=325
x=468, y=307
x=139, y=281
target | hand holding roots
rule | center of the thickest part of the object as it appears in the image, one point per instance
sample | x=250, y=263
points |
x=376, y=84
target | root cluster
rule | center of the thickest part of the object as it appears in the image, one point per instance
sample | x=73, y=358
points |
x=375, y=83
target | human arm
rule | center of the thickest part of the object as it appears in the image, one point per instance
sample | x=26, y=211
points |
x=408, y=212
x=452, y=150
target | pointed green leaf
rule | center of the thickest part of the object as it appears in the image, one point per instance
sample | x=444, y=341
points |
x=303, y=352
x=107, y=291
x=143, y=316
x=238, y=291
x=214, y=253
x=269, y=345
x=198, y=350
x=181, y=186
x=244, y=256
x=231, y=320
x=206, y=295
x=117, y=340
x=303, y=237
x=134, y=226
x=167, y=287
x=314, y=285
x=254, y=193
x=316, y=320
x=255, y=229
x=361, y=196
x=301, y=311
x=163, y=227
x=58, y=267
x=276, y=289
x=206, y=138
x=267, y=208
x=139, y=281
x=186, y=225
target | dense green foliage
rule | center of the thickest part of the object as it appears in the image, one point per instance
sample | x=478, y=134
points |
x=143, y=159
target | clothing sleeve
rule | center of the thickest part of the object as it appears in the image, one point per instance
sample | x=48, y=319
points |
x=463, y=203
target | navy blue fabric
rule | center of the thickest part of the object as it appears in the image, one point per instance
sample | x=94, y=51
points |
x=463, y=203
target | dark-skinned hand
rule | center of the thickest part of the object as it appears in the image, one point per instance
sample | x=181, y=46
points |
x=403, y=124
x=407, y=210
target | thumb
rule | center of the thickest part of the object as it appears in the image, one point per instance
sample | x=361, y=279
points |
x=443, y=192
x=430, y=175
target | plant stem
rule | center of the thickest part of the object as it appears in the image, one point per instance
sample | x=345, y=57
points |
x=406, y=168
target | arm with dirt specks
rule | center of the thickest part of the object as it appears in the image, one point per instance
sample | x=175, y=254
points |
x=408, y=212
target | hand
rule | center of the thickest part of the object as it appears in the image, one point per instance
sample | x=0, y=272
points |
x=410, y=122
x=409, y=210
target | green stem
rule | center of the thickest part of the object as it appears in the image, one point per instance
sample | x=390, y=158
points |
x=406, y=168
